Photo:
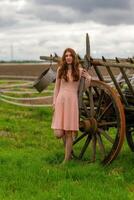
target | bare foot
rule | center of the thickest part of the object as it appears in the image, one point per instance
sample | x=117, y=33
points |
x=65, y=161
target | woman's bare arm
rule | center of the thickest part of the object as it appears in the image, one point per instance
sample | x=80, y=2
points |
x=56, y=88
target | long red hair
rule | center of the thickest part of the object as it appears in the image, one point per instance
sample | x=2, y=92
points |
x=64, y=67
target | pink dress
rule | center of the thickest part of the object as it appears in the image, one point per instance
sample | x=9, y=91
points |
x=66, y=114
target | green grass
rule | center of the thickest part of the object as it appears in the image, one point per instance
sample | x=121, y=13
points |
x=30, y=163
x=29, y=95
x=15, y=89
x=12, y=82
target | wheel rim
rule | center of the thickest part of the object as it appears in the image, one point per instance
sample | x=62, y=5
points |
x=130, y=137
x=102, y=124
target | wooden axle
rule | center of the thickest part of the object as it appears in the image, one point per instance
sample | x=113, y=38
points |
x=88, y=125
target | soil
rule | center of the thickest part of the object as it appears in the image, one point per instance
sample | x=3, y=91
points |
x=23, y=69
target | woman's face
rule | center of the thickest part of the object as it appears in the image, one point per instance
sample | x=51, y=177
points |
x=68, y=58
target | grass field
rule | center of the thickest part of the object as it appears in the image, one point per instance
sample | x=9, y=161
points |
x=30, y=163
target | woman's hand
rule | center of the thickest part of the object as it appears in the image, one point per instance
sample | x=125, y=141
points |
x=86, y=75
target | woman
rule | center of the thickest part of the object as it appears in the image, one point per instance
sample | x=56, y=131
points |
x=65, y=101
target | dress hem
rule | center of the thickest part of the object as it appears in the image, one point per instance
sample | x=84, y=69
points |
x=65, y=129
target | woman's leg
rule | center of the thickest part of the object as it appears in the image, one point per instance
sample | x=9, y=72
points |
x=68, y=145
x=59, y=133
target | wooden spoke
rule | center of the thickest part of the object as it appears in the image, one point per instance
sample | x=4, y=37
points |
x=87, y=94
x=130, y=138
x=86, y=110
x=85, y=146
x=101, y=145
x=79, y=138
x=93, y=156
x=99, y=103
x=104, y=111
x=92, y=112
x=109, y=124
x=106, y=135
x=96, y=92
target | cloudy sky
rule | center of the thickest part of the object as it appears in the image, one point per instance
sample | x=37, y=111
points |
x=31, y=28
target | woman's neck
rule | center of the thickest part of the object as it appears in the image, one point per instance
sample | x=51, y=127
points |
x=69, y=67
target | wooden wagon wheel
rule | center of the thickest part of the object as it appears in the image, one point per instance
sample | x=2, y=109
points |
x=130, y=137
x=130, y=122
x=102, y=124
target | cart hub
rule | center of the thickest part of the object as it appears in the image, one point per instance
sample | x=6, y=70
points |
x=88, y=125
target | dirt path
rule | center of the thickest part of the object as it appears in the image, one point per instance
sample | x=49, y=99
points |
x=23, y=69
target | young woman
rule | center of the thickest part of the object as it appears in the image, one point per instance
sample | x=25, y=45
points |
x=65, y=101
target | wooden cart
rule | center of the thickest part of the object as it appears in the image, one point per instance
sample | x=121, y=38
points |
x=106, y=108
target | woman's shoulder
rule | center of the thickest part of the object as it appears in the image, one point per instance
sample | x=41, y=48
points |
x=58, y=68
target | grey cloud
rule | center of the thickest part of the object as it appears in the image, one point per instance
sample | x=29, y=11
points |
x=112, y=17
x=102, y=11
x=41, y=27
x=71, y=11
x=7, y=22
x=86, y=5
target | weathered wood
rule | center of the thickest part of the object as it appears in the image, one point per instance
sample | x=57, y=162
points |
x=50, y=58
x=127, y=81
x=86, y=65
x=99, y=74
x=85, y=146
x=124, y=62
x=117, y=86
x=109, y=63
x=101, y=145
